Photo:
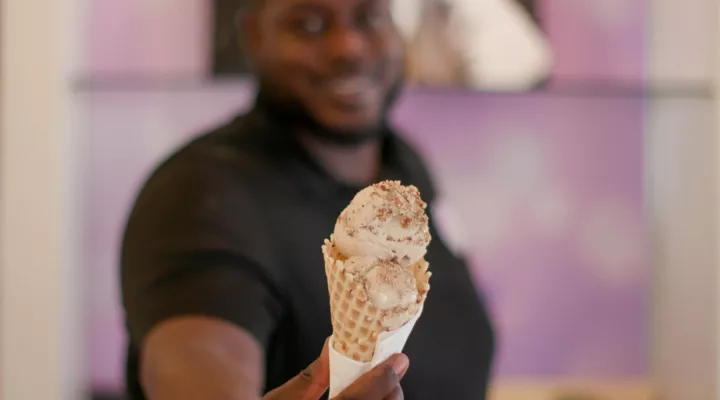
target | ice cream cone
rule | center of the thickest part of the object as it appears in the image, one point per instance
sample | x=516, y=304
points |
x=357, y=324
x=378, y=279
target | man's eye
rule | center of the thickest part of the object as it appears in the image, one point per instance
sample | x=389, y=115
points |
x=373, y=18
x=309, y=25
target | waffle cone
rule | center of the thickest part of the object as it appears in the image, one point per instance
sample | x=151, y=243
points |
x=356, y=322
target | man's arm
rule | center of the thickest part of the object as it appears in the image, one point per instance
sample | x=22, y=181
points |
x=201, y=358
x=201, y=302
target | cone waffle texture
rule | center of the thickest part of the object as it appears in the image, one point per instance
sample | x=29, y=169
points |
x=356, y=322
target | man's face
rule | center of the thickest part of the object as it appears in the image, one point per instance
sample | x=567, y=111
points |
x=338, y=60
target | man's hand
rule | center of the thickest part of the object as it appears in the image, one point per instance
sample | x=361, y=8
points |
x=380, y=383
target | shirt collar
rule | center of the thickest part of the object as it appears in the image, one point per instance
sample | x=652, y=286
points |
x=399, y=160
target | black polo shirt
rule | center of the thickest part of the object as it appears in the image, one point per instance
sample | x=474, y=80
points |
x=231, y=226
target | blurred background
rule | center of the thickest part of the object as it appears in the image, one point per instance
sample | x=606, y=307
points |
x=574, y=141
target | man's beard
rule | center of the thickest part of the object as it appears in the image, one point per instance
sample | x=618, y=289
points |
x=293, y=113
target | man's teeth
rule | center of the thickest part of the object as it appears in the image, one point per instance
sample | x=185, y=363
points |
x=350, y=86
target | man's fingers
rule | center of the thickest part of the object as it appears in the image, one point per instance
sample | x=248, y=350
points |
x=310, y=384
x=399, y=363
x=379, y=382
x=396, y=394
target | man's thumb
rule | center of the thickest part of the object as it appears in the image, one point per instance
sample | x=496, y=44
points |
x=310, y=384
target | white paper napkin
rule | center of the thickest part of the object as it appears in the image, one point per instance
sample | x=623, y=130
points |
x=344, y=371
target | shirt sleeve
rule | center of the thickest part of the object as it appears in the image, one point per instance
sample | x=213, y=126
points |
x=195, y=244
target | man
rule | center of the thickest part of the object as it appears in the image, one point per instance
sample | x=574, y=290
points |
x=222, y=273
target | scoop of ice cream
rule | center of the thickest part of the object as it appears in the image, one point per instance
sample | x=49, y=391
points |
x=386, y=221
x=390, y=285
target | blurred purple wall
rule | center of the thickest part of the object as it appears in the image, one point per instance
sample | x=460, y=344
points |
x=548, y=187
x=550, y=194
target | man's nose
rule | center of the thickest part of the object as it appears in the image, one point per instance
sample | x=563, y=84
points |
x=346, y=45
